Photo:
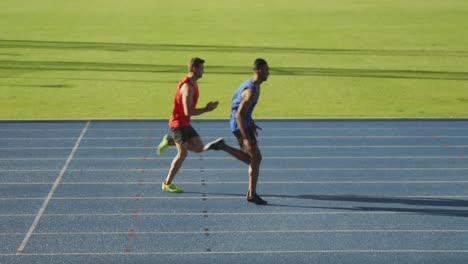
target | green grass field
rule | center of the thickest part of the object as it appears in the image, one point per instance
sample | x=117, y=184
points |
x=123, y=59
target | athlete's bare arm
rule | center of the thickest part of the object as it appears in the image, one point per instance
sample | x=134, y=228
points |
x=187, y=99
x=248, y=98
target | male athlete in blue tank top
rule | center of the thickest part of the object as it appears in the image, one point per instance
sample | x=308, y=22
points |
x=243, y=126
x=237, y=100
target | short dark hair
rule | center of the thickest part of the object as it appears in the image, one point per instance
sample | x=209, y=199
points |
x=195, y=62
x=259, y=63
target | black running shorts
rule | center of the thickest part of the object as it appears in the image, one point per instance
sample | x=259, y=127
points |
x=183, y=134
x=250, y=134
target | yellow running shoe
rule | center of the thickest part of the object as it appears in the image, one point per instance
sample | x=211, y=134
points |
x=164, y=144
x=171, y=188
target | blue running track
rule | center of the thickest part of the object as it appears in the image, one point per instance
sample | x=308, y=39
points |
x=339, y=191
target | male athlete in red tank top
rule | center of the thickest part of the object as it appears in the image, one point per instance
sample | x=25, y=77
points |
x=179, y=118
x=185, y=137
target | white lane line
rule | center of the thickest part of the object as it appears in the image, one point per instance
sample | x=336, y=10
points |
x=339, y=128
x=230, y=158
x=283, y=158
x=98, y=233
x=51, y=192
x=353, y=251
x=217, y=197
x=262, y=137
x=280, y=182
x=30, y=170
x=31, y=159
x=263, y=182
x=364, y=146
x=286, y=169
x=343, y=212
x=262, y=147
x=225, y=129
x=239, y=169
x=35, y=148
x=244, y=182
x=36, y=138
x=125, y=198
x=40, y=129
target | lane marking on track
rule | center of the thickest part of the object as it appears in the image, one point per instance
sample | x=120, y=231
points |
x=353, y=251
x=51, y=192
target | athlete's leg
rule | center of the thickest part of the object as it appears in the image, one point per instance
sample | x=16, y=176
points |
x=195, y=144
x=171, y=142
x=254, y=170
x=237, y=153
x=176, y=162
x=165, y=143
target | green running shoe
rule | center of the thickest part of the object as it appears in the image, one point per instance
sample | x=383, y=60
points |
x=164, y=144
x=171, y=188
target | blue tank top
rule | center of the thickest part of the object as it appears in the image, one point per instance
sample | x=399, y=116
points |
x=237, y=99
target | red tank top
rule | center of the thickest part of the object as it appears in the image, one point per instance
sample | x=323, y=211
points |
x=178, y=118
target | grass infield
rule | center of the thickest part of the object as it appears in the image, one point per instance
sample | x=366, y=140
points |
x=123, y=59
